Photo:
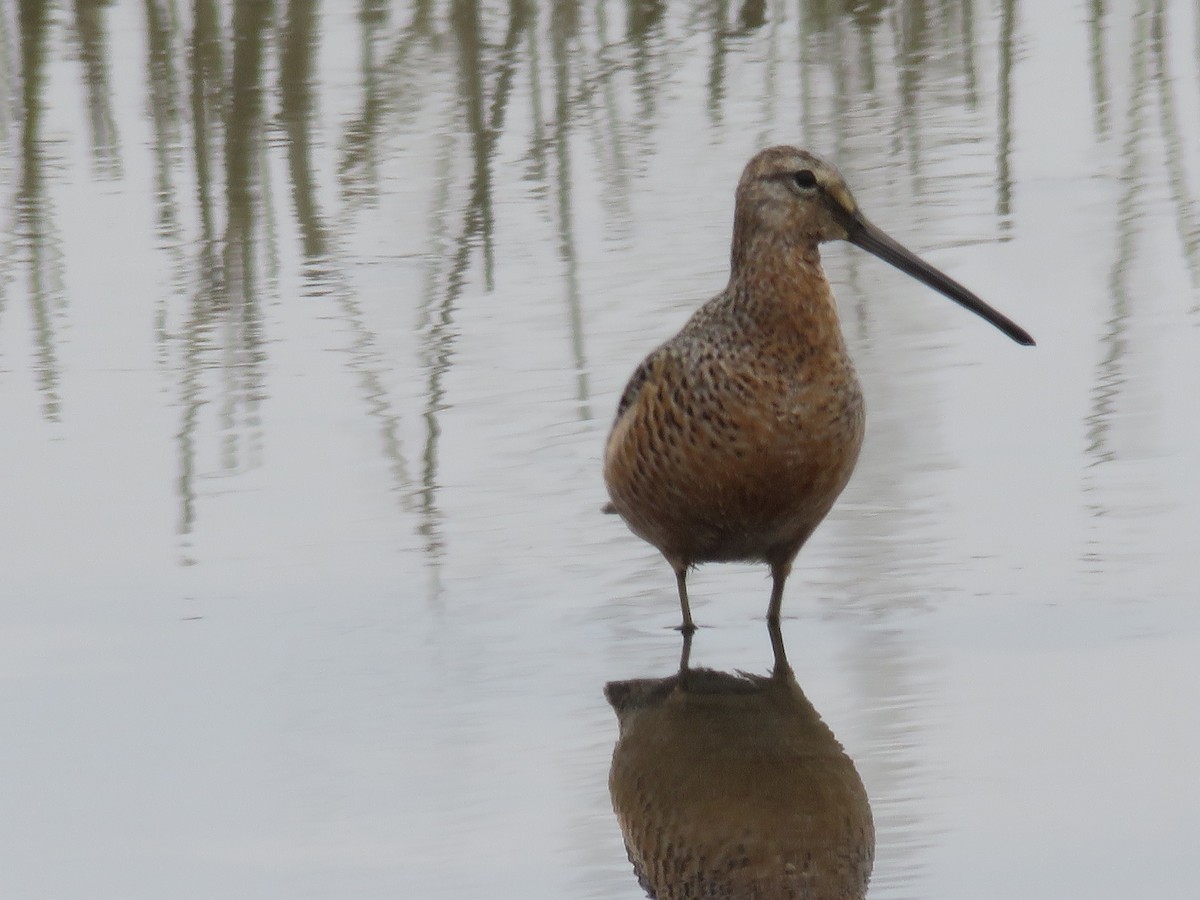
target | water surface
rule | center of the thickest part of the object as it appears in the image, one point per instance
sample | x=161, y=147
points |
x=312, y=323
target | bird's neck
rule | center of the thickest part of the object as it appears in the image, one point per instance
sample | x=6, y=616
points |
x=781, y=287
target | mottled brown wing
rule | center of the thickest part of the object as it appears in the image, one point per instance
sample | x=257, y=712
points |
x=627, y=397
x=640, y=374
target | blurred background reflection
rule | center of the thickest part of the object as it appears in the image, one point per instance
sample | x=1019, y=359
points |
x=312, y=321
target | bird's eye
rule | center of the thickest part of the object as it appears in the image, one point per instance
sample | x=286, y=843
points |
x=806, y=179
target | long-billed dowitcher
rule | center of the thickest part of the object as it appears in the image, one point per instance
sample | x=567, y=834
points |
x=734, y=438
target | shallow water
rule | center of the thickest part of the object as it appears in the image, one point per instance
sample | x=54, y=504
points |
x=312, y=324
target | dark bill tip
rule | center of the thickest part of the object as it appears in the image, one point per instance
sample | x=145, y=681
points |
x=863, y=234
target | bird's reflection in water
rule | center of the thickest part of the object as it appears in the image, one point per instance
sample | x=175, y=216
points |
x=730, y=786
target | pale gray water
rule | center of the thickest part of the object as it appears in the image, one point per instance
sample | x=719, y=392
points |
x=309, y=343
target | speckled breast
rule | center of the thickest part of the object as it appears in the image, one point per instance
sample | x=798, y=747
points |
x=727, y=466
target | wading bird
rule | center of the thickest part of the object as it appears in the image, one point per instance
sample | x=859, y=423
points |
x=734, y=438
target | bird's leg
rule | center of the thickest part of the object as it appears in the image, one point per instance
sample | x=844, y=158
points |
x=781, y=668
x=688, y=625
x=779, y=574
x=684, y=677
x=685, y=653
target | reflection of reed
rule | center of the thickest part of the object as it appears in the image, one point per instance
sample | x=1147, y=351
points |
x=1110, y=376
x=323, y=277
x=34, y=232
x=225, y=310
x=9, y=60
x=437, y=315
x=564, y=23
x=911, y=25
x=206, y=101
x=644, y=33
x=435, y=355
x=839, y=47
x=1008, y=25
x=719, y=37
x=93, y=53
x=1150, y=80
x=206, y=62
x=732, y=786
x=359, y=167
x=1177, y=180
x=165, y=119
x=296, y=78
x=1099, y=69
x=1110, y=370
x=968, y=55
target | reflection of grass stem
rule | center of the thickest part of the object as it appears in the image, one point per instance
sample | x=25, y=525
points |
x=717, y=33
x=1100, y=98
x=1008, y=27
x=35, y=234
x=970, y=80
x=296, y=77
x=92, y=36
x=477, y=227
x=225, y=304
x=607, y=133
x=1177, y=181
x=1110, y=377
x=166, y=122
x=562, y=32
x=359, y=164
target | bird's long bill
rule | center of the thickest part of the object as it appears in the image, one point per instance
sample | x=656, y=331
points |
x=873, y=240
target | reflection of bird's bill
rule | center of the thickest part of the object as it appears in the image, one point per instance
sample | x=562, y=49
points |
x=862, y=233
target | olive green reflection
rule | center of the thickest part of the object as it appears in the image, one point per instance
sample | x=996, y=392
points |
x=731, y=785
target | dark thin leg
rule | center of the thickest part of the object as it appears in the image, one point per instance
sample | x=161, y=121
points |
x=685, y=654
x=779, y=574
x=688, y=625
x=782, y=669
